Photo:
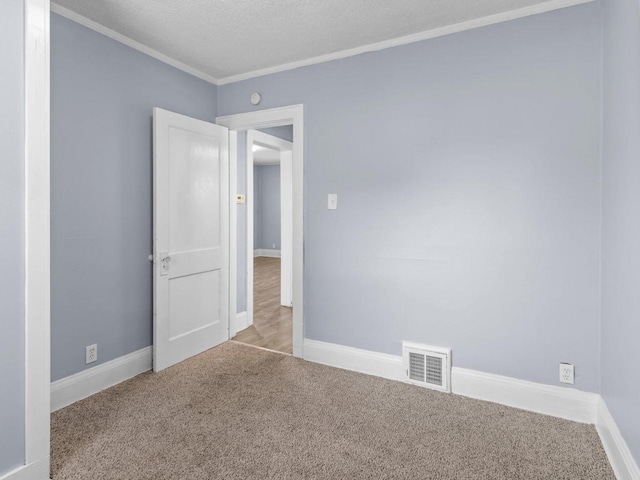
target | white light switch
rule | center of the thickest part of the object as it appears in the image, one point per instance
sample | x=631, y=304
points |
x=333, y=201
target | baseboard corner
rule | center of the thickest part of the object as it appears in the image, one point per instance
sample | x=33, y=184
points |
x=38, y=470
x=620, y=457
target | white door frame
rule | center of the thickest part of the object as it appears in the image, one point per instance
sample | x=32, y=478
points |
x=37, y=242
x=274, y=117
x=285, y=147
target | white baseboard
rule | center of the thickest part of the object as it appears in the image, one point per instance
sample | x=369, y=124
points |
x=560, y=402
x=354, y=359
x=567, y=403
x=550, y=400
x=623, y=463
x=69, y=390
x=266, y=252
x=35, y=471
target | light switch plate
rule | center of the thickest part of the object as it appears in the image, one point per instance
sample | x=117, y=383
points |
x=333, y=201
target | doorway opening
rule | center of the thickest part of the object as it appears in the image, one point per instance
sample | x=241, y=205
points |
x=264, y=240
x=239, y=126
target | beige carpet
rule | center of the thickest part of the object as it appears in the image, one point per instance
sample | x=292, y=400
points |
x=237, y=412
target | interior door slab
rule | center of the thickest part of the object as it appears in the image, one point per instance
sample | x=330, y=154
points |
x=191, y=237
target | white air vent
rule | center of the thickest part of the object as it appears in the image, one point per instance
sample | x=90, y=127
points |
x=427, y=366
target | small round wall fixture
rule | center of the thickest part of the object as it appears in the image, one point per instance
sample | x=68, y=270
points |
x=255, y=98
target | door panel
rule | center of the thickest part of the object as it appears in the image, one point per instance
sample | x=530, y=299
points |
x=191, y=237
x=195, y=191
x=191, y=302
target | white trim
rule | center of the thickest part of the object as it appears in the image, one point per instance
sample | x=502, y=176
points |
x=416, y=37
x=249, y=226
x=275, y=117
x=354, y=359
x=561, y=402
x=394, y=42
x=81, y=385
x=34, y=471
x=266, y=252
x=551, y=400
x=118, y=37
x=622, y=462
x=37, y=233
x=233, y=233
x=241, y=321
x=286, y=228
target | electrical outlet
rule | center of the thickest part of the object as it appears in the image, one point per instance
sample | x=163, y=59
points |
x=273, y=245
x=567, y=373
x=91, y=353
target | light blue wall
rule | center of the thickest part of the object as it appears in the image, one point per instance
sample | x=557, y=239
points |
x=103, y=94
x=12, y=236
x=285, y=132
x=266, y=233
x=621, y=220
x=468, y=175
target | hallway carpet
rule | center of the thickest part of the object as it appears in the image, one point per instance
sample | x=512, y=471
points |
x=238, y=412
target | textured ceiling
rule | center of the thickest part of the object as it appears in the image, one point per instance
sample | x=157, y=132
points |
x=224, y=38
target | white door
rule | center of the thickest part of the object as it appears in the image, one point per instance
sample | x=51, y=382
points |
x=191, y=237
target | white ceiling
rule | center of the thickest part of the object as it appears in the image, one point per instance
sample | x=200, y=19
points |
x=233, y=39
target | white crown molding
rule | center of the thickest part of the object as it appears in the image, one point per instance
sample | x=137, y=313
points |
x=34, y=471
x=81, y=385
x=623, y=463
x=416, y=37
x=394, y=42
x=95, y=26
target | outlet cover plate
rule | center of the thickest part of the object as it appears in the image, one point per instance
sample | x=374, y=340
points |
x=567, y=373
x=91, y=354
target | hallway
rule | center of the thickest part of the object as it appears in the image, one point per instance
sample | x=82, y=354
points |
x=272, y=323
